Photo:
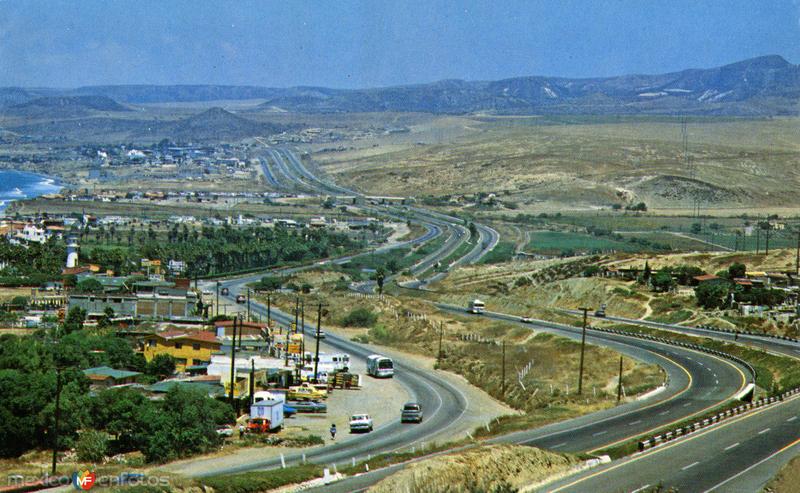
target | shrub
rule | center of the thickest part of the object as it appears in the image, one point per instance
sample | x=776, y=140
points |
x=92, y=446
x=360, y=317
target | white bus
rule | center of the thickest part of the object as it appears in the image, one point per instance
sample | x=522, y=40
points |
x=380, y=366
x=476, y=306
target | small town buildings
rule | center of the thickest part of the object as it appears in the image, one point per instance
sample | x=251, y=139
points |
x=188, y=348
x=104, y=376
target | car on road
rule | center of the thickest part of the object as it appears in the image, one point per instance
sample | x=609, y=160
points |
x=321, y=334
x=600, y=312
x=360, y=422
x=308, y=406
x=224, y=291
x=241, y=299
x=411, y=413
x=526, y=320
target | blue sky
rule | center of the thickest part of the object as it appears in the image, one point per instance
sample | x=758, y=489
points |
x=377, y=43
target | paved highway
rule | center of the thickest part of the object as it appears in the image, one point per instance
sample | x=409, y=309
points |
x=697, y=382
x=443, y=403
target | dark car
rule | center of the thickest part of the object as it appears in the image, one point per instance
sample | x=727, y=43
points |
x=411, y=413
x=308, y=406
x=224, y=291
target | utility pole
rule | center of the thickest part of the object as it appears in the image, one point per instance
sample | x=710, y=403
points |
x=766, y=231
x=57, y=419
x=296, y=313
x=218, y=298
x=583, y=347
x=503, y=372
x=316, y=351
x=303, y=331
x=269, y=309
x=248, y=304
x=286, y=348
x=233, y=363
x=619, y=385
x=441, y=335
x=252, y=379
x=241, y=330
x=797, y=258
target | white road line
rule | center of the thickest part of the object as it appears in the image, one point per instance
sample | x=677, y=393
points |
x=637, y=490
x=600, y=433
x=663, y=413
x=764, y=431
x=689, y=466
x=635, y=422
x=559, y=445
x=792, y=419
x=732, y=446
x=687, y=404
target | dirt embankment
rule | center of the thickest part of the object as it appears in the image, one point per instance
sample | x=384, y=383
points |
x=489, y=468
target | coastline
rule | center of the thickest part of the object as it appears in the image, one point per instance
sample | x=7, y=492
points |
x=21, y=185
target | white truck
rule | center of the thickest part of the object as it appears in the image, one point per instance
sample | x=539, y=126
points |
x=476, y=306
x=380, y=366
x=266, y=415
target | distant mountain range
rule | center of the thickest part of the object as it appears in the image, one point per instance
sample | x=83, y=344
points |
x=63, y=106
x=766, y=85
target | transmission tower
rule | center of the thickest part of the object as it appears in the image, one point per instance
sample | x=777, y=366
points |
x=691, y=169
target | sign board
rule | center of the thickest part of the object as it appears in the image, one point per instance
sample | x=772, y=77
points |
x=294, y=348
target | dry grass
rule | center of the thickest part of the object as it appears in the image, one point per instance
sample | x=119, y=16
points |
x=486, y=468
x=787, y=479
x=740, y=164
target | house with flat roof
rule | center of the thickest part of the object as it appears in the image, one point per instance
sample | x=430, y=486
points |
x=189, y=348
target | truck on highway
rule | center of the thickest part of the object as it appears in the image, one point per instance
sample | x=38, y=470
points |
x=476, y=306
x=380, y=366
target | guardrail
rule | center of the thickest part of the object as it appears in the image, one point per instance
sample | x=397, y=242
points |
x=714, y=419
x=687, y=345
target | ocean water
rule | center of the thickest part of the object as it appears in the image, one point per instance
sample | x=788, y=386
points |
x=17, y=185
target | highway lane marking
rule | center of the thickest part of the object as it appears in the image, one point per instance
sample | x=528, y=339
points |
x=764, y=431
x=732, y=446
x=635, y=422
x=659, y=354
x=687, y=404
x=688, y=439
x=765, y=459
x=792, y=419
x=689, y=466
x=600, y=433
x=559, y=445
x=637, y=490
x=663, y=413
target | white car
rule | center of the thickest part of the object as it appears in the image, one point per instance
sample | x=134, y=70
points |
x=360, y=422
x=526, y=320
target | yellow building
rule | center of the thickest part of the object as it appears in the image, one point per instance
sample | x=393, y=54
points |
x=188, y=348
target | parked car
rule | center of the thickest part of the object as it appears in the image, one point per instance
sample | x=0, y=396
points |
x=289, y=411
x=225, y=432
x=411, y=413
x=307, y=392
x=526, y=320
x=360, y=422
x=308, y=406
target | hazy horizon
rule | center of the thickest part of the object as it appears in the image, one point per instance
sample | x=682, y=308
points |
x=354, y=45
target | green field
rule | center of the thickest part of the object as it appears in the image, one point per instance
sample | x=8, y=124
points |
x=558, y=243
